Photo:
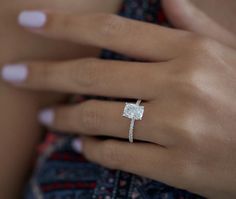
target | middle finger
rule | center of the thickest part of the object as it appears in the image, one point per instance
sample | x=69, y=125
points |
x=89, y=76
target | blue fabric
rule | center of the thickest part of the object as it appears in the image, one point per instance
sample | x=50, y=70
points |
x=61, y=173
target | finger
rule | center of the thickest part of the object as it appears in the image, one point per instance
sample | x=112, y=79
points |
x=183, y=14
x=129, y=37
x=142, y=159
x=89, y=77
x=101, y=118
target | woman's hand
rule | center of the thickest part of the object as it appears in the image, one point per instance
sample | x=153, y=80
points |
x=16, y=131
x=187, y=136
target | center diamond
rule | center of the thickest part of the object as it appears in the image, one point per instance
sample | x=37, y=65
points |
x=133, y=111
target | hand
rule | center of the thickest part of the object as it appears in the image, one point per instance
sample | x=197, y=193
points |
x=17, y=45
x=187, y=136
x=215, y=19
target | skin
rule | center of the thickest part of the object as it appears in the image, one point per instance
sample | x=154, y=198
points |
x=221, y=12
x=15, y=102
x=20, y=135
x=187, y=136
x=209, y=18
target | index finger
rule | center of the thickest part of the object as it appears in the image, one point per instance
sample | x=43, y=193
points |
x=130, y=37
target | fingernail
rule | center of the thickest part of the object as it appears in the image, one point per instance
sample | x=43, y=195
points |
x=14, y=73
x=77, y=145
x=32, y=19
x=46, y=116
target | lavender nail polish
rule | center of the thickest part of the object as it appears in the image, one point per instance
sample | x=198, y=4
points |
x=77, y=145
x=32, y=19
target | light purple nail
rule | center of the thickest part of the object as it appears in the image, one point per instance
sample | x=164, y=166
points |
x=77, y=145
x=46, y=117
x=14, y=73
x=32, y=19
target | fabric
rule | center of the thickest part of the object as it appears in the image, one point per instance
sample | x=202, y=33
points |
x=61, y=173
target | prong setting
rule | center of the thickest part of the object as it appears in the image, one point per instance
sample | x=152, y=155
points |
x=133, y=112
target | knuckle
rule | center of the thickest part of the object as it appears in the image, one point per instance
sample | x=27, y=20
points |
x=197, y=84
x=202, y=67
x=110, y=155
x=185, y=126
x=87, y=75
x=91, y=119
x=112, y=25
x=182, y=125
x=190, y=87
x=190, y=79
x=203, y=45
x=184, y=85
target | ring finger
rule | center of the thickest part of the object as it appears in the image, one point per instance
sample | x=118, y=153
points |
x=100, y=118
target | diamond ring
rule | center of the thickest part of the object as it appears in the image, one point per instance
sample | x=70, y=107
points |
x=133, y=112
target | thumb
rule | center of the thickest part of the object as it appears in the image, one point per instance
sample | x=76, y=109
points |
x=184, y=15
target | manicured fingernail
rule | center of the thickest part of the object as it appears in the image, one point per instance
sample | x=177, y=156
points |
x=14, y=73
x=77, y=145
x=46, y=116
x=32, y=19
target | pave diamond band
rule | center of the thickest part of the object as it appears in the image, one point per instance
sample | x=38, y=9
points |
x=133, y=112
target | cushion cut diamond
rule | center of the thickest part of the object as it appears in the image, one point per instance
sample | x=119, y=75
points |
x=133, y=111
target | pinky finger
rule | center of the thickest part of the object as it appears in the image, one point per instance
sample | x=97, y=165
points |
x=143, y=159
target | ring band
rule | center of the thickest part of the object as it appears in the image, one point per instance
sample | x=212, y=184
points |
x=133, y=112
